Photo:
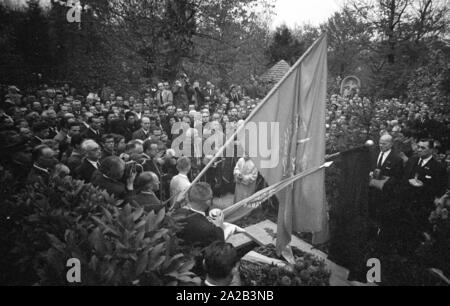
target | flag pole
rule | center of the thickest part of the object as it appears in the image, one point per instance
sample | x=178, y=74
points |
x=258, y=107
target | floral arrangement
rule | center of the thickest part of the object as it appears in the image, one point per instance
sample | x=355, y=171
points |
x=308, y=270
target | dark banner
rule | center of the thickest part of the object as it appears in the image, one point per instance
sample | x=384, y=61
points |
x=349, y=214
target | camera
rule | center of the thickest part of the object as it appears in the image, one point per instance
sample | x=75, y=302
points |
x=133, y=166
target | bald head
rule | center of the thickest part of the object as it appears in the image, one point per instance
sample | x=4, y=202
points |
x=145, y=123
x=386, y=142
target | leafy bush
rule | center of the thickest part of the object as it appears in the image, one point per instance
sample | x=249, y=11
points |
x=116, y=245
x=436, y=248
x=307, y=271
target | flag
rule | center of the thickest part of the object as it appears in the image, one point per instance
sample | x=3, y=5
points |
x=244, y=207
x=296, y=106
x=349, y=215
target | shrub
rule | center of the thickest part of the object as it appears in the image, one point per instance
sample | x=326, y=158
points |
x=116, y=244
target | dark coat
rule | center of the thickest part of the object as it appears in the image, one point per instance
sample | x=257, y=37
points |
x=392, y=166
x=148, y=201
x=74, y=162
x=197, y=230
x=433, y=175
x=85, y=171
x=113, y=187
x=37, y=176
x=89, y=134
x=140, y=134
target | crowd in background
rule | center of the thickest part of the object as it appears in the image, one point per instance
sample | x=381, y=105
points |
x=59, y=131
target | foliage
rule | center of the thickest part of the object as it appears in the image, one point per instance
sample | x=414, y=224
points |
x=307, y=271
x=284, y=46
x=429, y=83
x=116, y=246
x=125, y=44
x=434, y=251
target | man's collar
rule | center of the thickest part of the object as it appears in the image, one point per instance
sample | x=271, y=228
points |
x=196, y=211
x=94, y=163
x=386, y=153
x=426, y=160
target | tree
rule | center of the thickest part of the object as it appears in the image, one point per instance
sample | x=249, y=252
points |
x=404, y=32
x=229, y=47
x=285, y=46
x=348, y=38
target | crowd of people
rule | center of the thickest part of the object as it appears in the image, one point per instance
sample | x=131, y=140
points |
x=409, y=166
x=123, y=144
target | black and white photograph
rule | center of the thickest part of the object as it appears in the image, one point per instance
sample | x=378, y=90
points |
x=249, y=144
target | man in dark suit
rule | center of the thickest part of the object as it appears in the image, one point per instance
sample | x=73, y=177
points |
x=127, y=127
x=387, y=170
x=387, y=161
x=424, y=180
x=198, y=230
x=144, y=132
x=93, y=132
x=91, y=163
x=40, y=132
x=109, y=177
x=44, y=161
x=431, y=174
x=147, y=183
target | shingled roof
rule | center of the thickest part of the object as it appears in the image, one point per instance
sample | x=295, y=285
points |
x=276, y=73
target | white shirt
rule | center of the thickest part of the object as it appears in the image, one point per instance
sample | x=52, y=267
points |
x=93, y=163
x=178, y=186
x=386, y=154
x=425, y=161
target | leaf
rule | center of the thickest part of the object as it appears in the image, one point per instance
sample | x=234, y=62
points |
x=171, y=260
x=156, y=252
x=97, y=240
x=137, y=214
x=107, y=228
x=150, y=222
x=93, y=263
x=141, y=263
x=56, y=243
x=154, y=265
x=187, y=266
x=160, y=217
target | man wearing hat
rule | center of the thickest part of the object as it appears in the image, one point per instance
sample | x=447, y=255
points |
x=198, y=230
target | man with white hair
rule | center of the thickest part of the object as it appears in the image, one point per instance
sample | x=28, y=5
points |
x=387, y=172
x=144, y=132
x=90, y=163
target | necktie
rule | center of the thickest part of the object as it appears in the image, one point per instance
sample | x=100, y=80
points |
x=380, y=160
x=421, y=163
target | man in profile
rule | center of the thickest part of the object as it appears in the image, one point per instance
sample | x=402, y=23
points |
x=91, y=163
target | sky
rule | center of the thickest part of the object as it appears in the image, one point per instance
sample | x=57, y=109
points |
x=299, y=12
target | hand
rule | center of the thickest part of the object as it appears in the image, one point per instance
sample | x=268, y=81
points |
x=130, y=180
x=218, y=221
